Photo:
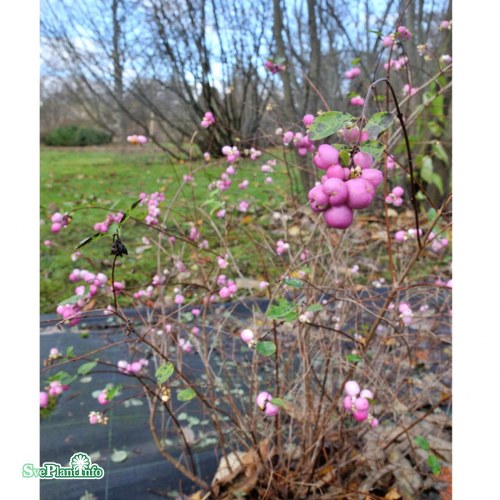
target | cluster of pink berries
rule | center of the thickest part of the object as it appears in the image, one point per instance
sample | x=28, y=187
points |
x=302, y=143
x=56, y=388
x=438, y=244
x=103, y=226
x=231, y=153
x=59, y=221
x=96, y=417
x=282, y=247
x=357, y=402
x=185, y=345
x=402, y=33
x=406, y=314
x=357, y=101
x=148, y=292
x=342, y=189
x=243, y=206
x=263, y=401
x=222, y=184
x=408, y=90
x=228, y=287
x=273, y=67
x=395, y=197
x=353, y=73
x=208, y=119
x=254, y=153
x=137, y=139
x=396, y=64
x=402, y=235
x=152, y=201
x=134, y=367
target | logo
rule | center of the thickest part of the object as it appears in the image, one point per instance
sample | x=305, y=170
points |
x=80, y=467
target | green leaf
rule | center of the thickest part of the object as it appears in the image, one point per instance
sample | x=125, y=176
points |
x=278, y=402
x=421, y=442
x=434, y=464
x=64, y=377
x=441, y=153
x=186, y=394
x=294, y=282
x=374, y=148
x=428, y=175
x=283, y=310
x=378, y=123
x=70, y=352
x=315, y=308
x=344, y=158
x=356, y=61
x=86, y=368
x=427, y=169
x=354, y=358
x=128, y=212
x=266, y=348
x=431, y=214
x=164, y=372
x=435, y=129
x=438, y=182
x=86, y=241
x=113, y=392
x=328, y=123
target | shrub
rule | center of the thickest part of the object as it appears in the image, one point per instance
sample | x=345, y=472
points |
x=72, y=135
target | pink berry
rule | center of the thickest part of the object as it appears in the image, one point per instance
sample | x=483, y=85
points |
x=361, y=193
x=335, y=171
x=347, y=402
x=398, y=191
x=271, y=410
x=362, y=404
x=374, y=422
x=352, y=388
x=308, y=120
x=337, y=190
x=247, y=335
x=102, y=399
x=360, y=415
x=339, y=217
x=56, y=227
x=366, y=393
x=328, y=155
x=318, y=199
x=372, y=175
x=44, y=399
x=262, y=398
x=136, y=367
x=363, y=160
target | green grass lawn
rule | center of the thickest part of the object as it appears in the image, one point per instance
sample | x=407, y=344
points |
x=89, y=183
